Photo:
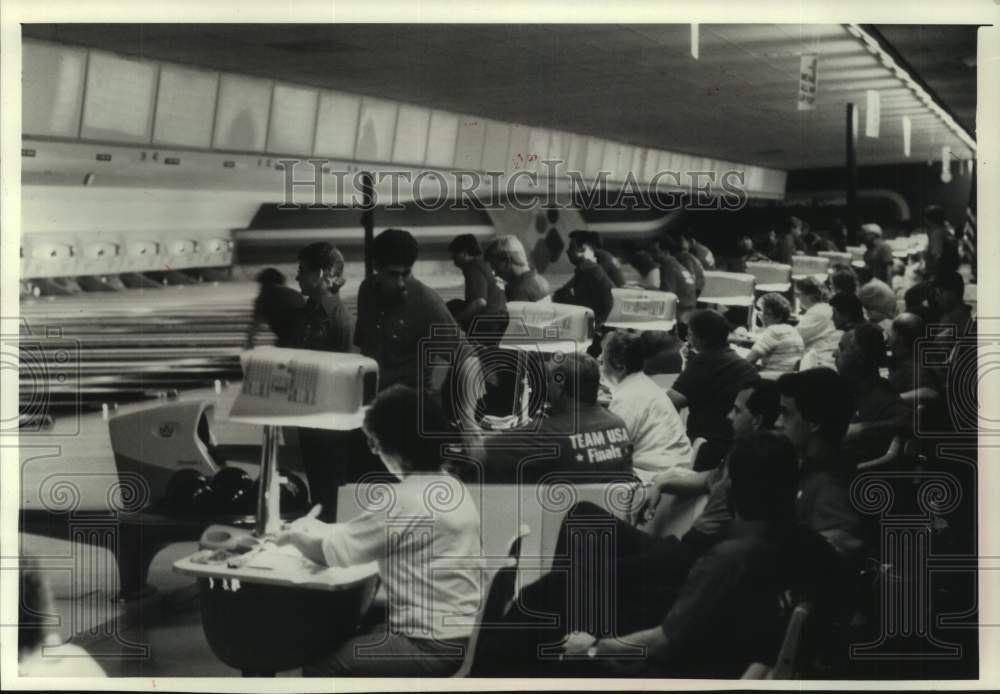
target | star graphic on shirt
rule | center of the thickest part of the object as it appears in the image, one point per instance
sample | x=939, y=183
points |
x=579, y=457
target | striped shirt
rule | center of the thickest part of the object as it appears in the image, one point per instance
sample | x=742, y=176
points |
x=780, y=346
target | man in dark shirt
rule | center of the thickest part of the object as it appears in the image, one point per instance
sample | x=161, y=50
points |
x=608, y=262
x=396, y=312
x=790, y=243
x=577, y=440
x=681, y=249
x=879, y=413
x=674, y=277
x=483, y=313
x=847, y=311
x=324, y=323
x=590, y=285
x=701, y=251
x=276, y=305
x=675, y=610
x=878, y=255
x=815, y=412
x=510, y=263
x=709, y=383
x=942, y=247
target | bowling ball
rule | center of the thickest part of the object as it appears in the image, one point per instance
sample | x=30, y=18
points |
x=189, y=493
x=231, y=487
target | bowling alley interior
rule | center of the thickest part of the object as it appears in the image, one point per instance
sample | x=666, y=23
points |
x=497, y=350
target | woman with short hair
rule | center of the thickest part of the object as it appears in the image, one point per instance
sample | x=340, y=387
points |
x=778, y=347
x=426, y=541
x=509, y=261
x=655, y=429
x=815, y=325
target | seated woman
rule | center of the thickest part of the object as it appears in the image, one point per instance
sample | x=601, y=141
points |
x=658, y=436
x=426, y=543
x=778, y=347
x=815, y=325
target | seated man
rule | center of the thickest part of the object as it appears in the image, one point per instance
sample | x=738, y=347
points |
x=576, y=439
x=708, y=385
x=755, y=409
x=483, y=312
x=847, y=311
x=815, y=412
x=642, y=261
x=608, y=262
x=590, y=285
x=673, y=611
x=879, y=413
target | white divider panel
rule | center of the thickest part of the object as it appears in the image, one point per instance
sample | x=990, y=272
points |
x=118, y=104
x=52, y=89
x=337, y=125
x=412, y=124
x=293, y=120
x=471, y=137
x=185, y=106
x=441, y=139
x=375, y=130
x=495, y=147
x=242, y=113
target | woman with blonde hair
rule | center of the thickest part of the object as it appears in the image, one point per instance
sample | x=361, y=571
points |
x=509, y=261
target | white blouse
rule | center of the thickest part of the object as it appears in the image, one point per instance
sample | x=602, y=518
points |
x=658, y=435
x=424, y=535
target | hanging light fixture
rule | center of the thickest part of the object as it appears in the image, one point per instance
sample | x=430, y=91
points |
x=694, y=40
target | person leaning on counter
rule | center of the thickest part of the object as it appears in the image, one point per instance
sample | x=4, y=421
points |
x=426, y=543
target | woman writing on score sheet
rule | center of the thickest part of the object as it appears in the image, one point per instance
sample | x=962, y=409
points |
x=426, y=543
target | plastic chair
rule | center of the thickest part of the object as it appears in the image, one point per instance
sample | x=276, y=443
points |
x=788, y=663
x=771, y=277
x=498, y=601
x=857, y=255
x=809, y=266
x=730, y=289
